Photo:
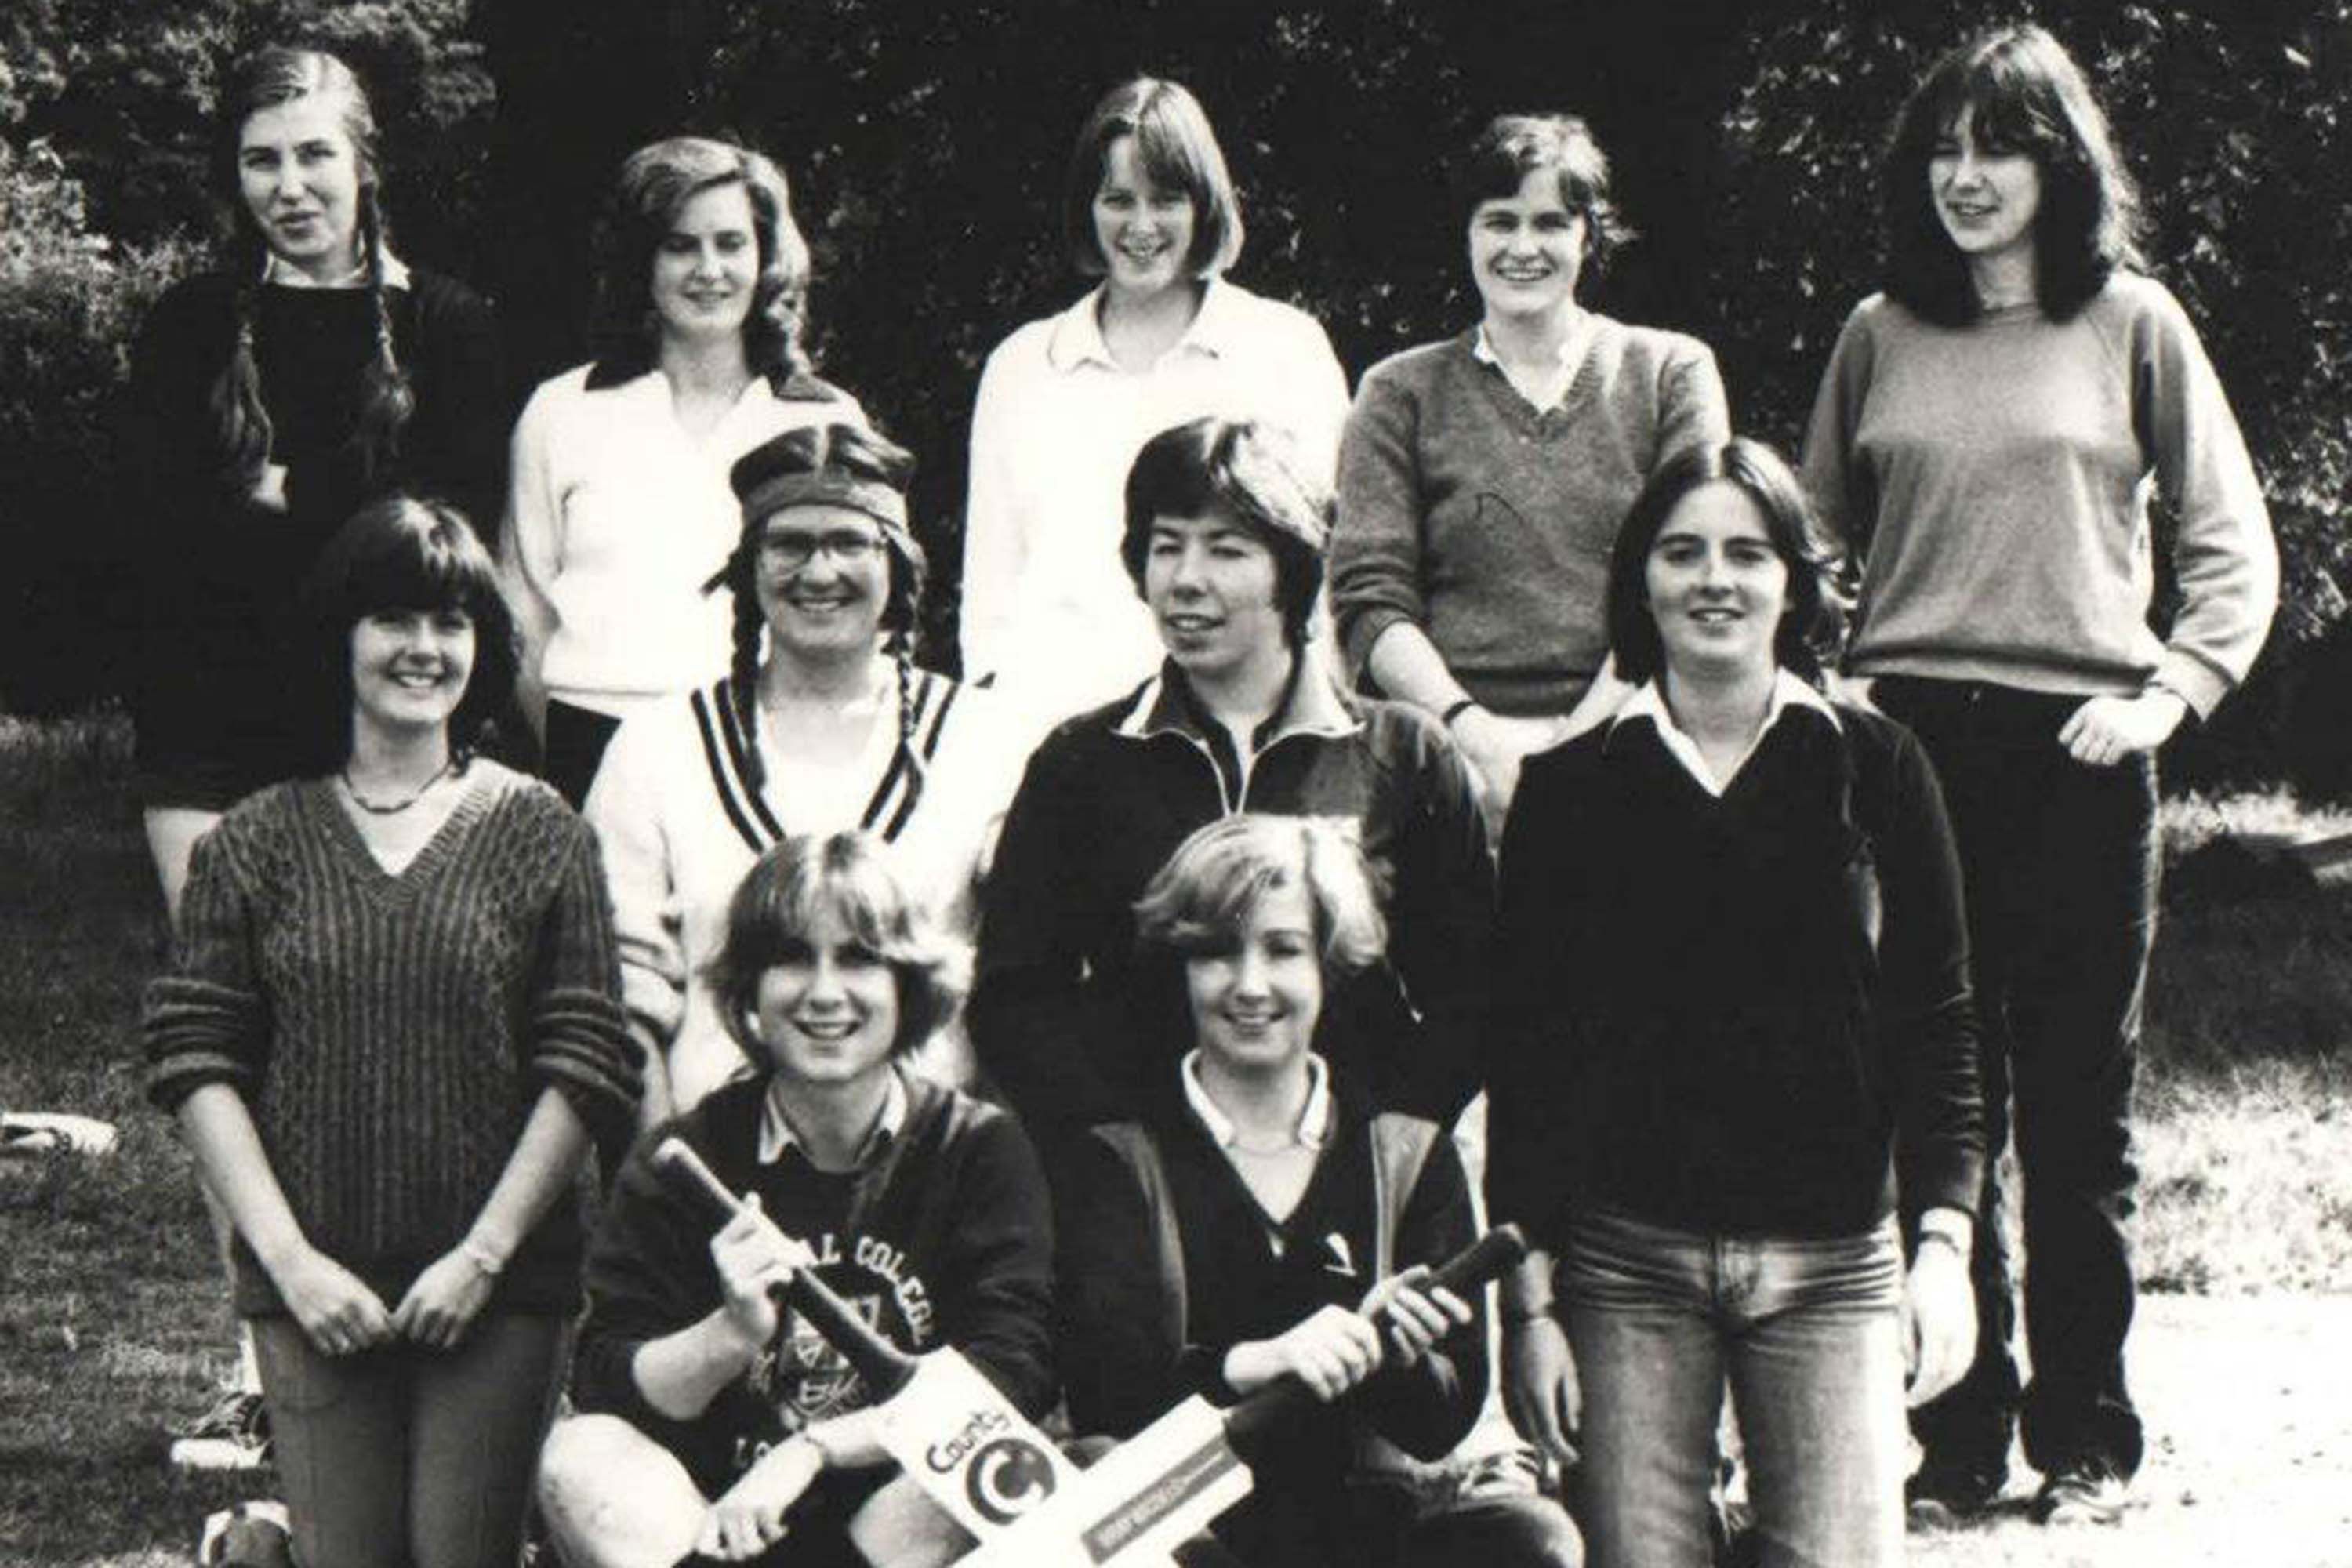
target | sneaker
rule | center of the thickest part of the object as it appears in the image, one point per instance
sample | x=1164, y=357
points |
x=1939, y=1497
x=250, y=1535
x=2085, y=1492
x=234, y=1435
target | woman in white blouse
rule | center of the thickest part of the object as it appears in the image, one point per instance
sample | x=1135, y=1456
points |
x=1067, y=400
x=620, y=510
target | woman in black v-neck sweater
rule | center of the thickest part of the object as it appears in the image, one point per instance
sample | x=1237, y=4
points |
x=1264, y=1221
x=1735, y=1035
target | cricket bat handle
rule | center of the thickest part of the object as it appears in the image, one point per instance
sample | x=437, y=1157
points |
x=885, y=1367
x=1467, y=1269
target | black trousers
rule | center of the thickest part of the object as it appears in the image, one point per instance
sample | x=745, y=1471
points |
x=2060, y=864
x=576, y=739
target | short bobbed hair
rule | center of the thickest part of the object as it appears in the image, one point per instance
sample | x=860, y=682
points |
x=656, y=182
x=1807, y=639
x=1243, y=470
x=1175, y=146
x=402, y=552
x=2027, y=95
x=853, y=876
x=1198, y=903
x=1513, y=146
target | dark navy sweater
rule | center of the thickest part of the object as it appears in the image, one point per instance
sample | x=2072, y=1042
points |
x=1739, y=1014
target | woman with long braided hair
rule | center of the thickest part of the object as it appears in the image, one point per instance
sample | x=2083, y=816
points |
x=822, y=723
x=268, y=399
x=311, y=371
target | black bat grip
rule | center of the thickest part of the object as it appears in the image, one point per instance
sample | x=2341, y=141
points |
x=885, y=1367
x=1483, y=1259
x=1258, y=1412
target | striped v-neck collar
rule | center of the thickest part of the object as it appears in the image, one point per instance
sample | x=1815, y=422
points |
x=726, y=748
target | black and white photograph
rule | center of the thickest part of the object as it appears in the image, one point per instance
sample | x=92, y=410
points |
x=1117, y=784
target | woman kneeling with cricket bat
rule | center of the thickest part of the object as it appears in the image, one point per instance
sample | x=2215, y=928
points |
x=1268, y=1223
x=713, y=1422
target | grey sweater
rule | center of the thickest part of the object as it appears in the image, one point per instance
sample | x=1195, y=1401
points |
x=1487, y=523
x=390, y=1034
x=1995, y=479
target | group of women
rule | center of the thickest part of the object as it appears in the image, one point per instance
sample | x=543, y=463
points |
x=1765, y=959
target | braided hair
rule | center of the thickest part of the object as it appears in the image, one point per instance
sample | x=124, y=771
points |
x=846, y=452
x=244, y=429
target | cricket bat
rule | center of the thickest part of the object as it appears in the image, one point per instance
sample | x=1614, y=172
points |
x=951, y=1429
x=1164, y=1485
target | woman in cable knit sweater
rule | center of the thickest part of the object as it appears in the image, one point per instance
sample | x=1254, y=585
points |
x=1481, y=479
x=1986, y=436
x=620, y=509
x=389, y=1033
x=824, y=723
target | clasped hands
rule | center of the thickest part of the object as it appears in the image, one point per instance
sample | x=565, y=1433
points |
x=339, y=1314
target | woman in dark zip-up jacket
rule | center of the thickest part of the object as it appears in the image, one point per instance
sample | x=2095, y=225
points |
x=1225, y=544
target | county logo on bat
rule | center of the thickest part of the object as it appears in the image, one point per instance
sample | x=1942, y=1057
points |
x=1008, y=1478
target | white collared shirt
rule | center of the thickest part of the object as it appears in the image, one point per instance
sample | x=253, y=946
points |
x=1650, y=703
x=615, y=518
x=277, y=270
x=1552, y=390
x=1047, y=603
x=1314, y=1117
x=776, y=1134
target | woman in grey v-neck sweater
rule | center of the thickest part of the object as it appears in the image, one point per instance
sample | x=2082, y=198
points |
x=1483, y=478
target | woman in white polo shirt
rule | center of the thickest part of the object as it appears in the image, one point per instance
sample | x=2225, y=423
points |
x=620, y=510
x=1066, y=401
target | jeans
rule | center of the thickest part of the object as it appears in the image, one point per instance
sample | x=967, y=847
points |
x=2060, y=865
x=402, y=1457
x=1805, y=1332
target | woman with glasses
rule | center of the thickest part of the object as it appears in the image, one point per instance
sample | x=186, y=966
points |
x=822, y=723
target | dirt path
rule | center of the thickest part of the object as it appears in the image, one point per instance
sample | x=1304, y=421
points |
x=2249, y=1403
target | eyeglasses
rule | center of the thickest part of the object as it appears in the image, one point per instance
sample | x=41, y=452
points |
x=789, y=551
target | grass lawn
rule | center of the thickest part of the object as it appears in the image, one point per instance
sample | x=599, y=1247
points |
x=113, y=1319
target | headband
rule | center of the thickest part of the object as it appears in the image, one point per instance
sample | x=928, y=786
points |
x=772, y=493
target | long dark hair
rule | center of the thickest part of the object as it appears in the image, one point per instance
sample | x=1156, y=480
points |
x=245, y=432
x=2025, y=94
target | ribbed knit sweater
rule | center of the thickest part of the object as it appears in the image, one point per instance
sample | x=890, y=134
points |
x=1488, y=523
x=390, y=1034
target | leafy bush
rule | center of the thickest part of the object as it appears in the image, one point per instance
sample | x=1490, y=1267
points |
x=68, y=304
